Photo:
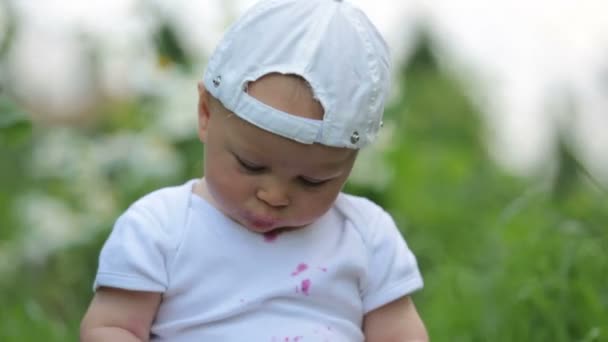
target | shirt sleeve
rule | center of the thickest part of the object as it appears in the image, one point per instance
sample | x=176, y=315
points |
x=392, y=268
x=134, y=257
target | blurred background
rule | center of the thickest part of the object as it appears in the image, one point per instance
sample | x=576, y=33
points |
x=493, y=158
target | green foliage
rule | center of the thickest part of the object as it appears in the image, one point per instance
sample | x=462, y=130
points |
x=169, y=48
x=504, y=259
x=15, y=134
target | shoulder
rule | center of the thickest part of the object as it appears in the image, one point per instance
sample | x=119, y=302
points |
x=160, y=210
x=144, y=241
x=391, y=270
x=347, y=202
x=161, y=201
x=359, y=210
x=366, y=216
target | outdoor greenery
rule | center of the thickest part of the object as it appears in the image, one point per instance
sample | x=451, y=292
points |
x=503, y=258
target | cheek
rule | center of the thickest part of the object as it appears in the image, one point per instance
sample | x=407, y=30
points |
x=226, y=184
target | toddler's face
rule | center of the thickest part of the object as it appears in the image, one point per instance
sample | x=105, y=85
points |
x=262, y=180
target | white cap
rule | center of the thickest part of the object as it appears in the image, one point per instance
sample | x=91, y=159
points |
x=329, y=43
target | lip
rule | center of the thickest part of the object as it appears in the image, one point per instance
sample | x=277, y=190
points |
x=262, y=224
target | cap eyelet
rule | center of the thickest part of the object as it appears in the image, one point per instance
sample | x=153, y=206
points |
x=354, y=138
x=217, y=81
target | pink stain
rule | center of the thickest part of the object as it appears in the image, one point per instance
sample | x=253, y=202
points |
x=271, y=236
x=306, y=286
x=297, y=338
x=301, y=268
x=324, y=269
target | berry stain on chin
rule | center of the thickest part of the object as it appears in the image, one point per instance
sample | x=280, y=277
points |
x=271, y=236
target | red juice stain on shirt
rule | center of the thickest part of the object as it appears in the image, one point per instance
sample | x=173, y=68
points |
x=295, y=339
x=271, y=236
x=301, y=268
x=306, y=286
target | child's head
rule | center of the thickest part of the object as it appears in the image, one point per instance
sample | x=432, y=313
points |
x=291, y=93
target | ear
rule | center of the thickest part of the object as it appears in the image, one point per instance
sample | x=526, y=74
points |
x=204, y=113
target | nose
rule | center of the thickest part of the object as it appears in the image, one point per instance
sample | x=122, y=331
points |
x=275, y=195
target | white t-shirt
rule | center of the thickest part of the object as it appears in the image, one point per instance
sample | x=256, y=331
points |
x=222, y=282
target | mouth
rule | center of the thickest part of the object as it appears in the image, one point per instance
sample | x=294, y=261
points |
x=261, y=224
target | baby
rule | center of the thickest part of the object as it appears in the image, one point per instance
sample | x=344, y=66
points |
x=266, y=247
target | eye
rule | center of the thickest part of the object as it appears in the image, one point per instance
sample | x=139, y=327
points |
x=248, y=166
x=312, y=182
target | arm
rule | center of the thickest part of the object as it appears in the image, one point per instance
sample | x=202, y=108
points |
x=119, y=315
x=397, y=321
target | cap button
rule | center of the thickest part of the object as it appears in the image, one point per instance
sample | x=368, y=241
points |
x=217, y=81
x=354, y=138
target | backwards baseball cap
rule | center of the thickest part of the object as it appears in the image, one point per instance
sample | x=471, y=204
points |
x=329, y=43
